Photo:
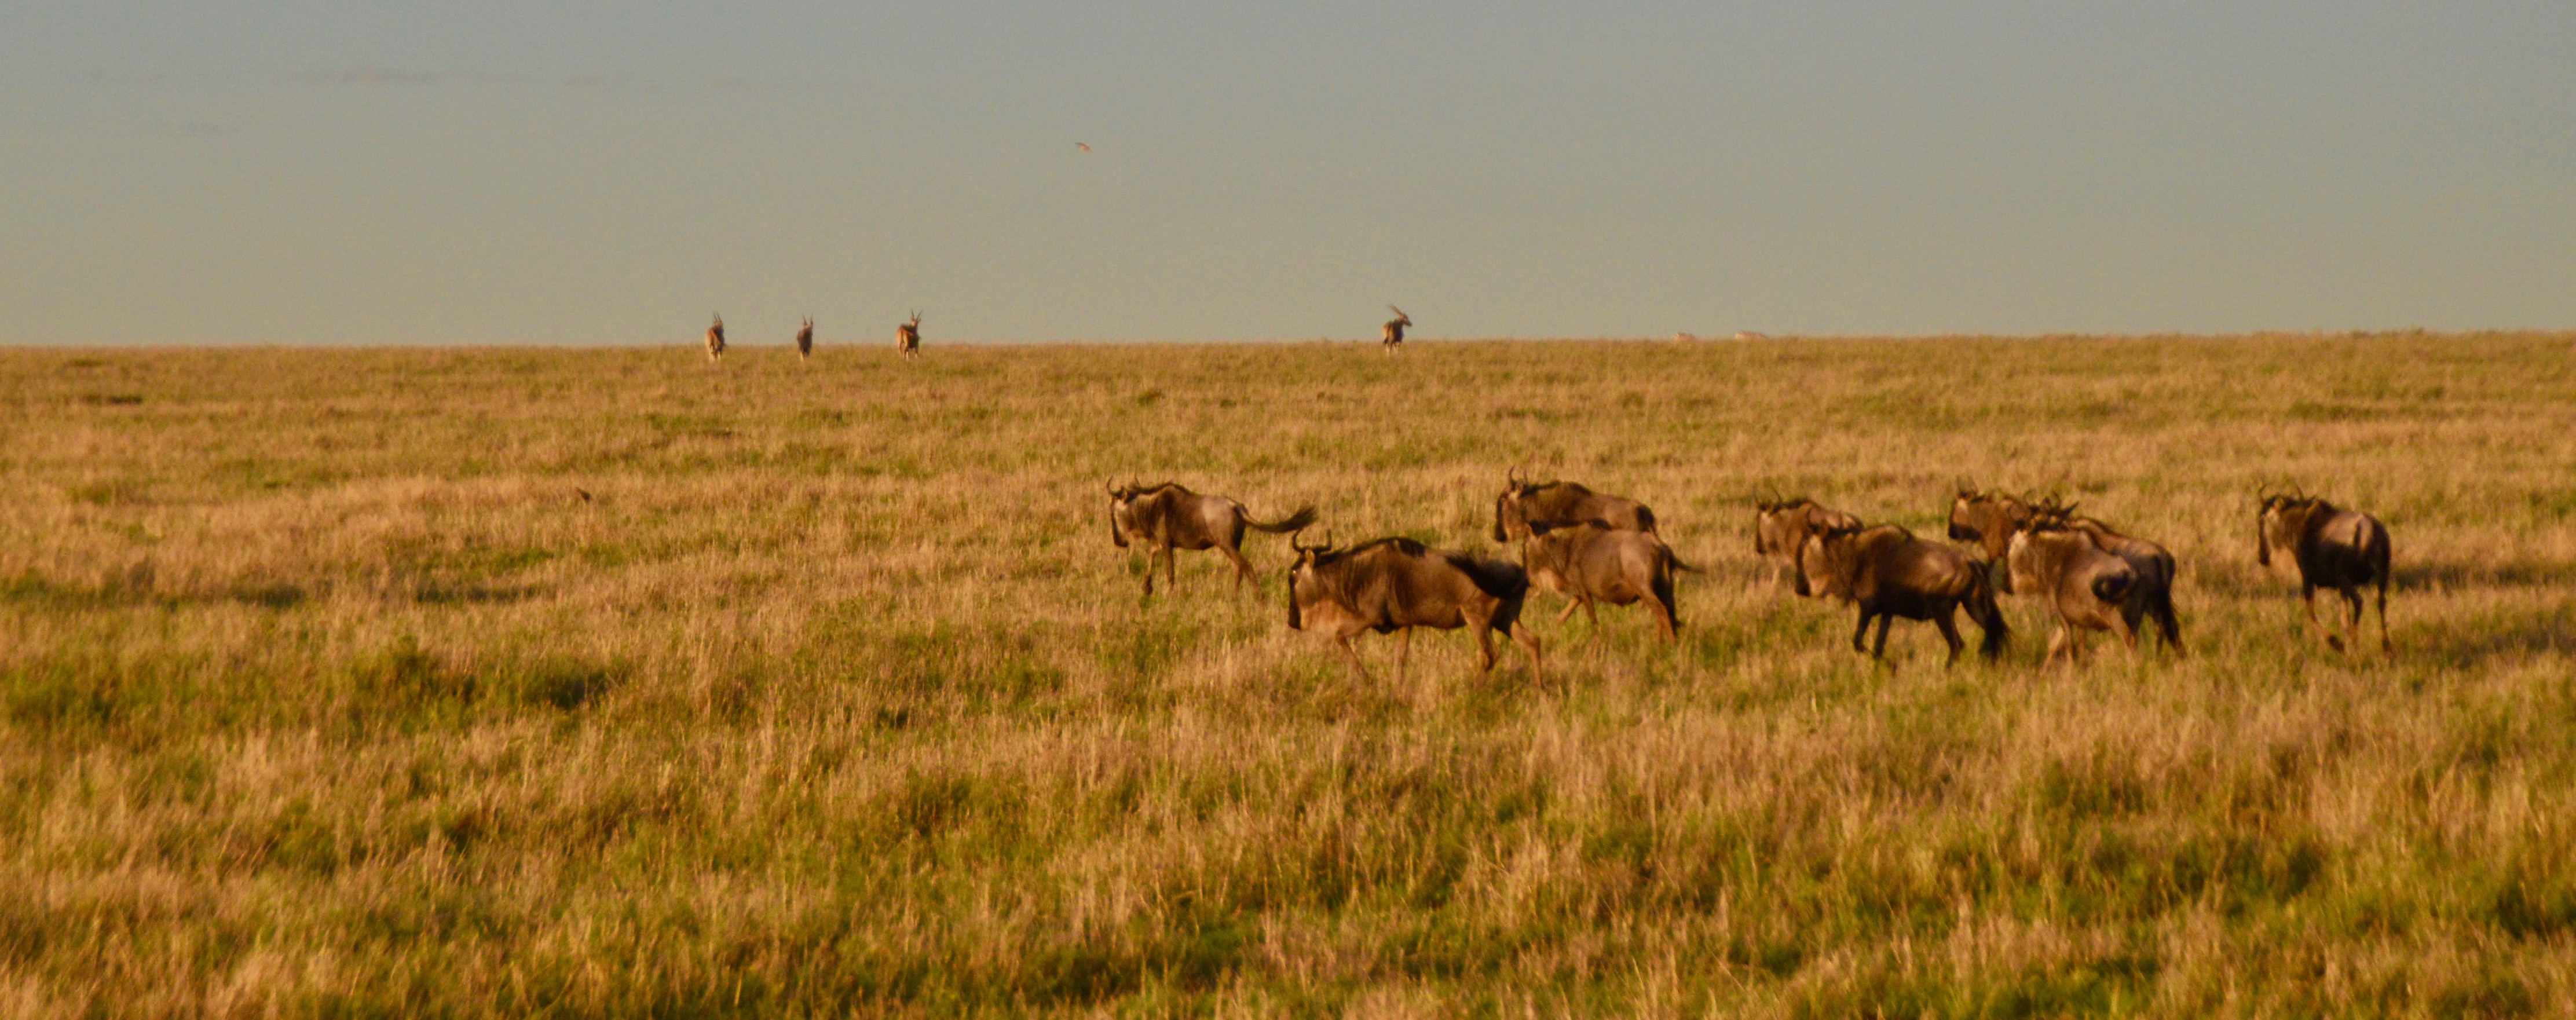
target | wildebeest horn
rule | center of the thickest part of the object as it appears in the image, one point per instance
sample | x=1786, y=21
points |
x=1109, y=486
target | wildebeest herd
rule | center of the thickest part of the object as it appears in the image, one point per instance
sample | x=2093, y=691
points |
x=1591, y=547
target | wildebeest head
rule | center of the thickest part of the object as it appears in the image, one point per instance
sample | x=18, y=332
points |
x=1524, y=502
x=2282, y=520
x=1780, y=526
x=1986, y=518
x=2049, y=523
x=1123, y=504
x=1304, y=583
x=1825, y=561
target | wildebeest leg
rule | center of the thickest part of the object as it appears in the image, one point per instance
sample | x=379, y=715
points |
x=1592, y=616
x=1344, y=640
x=2352, y=620
x=1529, y=646
x=1860, y=634
x=1570, y=606
x=1949, y=635
x=1150, y=553
x=1172, y=569
x=2308, y=597
x=1404, y=653
x=1242, y=567
x=1885, y=620
x=2384, y=647
x=2057, y=639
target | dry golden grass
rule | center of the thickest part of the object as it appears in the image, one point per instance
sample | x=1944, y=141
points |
x=323, y=690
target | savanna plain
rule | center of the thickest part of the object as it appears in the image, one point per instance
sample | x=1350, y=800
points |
x=517, y=682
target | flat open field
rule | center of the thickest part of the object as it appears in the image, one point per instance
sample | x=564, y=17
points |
x=325, y=690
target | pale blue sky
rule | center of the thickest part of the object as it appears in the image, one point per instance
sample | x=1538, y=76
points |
x=454, y=172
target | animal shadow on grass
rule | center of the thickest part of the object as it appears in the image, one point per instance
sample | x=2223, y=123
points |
x=2418, y=574
x=139, y=593
x=2519, y=634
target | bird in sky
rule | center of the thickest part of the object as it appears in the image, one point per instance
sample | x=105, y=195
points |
x=1082, y=147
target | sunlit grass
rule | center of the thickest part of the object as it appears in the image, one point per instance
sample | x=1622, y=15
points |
x=612, y=682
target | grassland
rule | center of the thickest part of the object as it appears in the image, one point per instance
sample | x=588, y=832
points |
x=591, y=683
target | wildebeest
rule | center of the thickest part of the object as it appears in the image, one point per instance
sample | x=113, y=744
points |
x=1781, y=526
x=715, y=340
x=1990, y=519
x=1593, y=562
x=1392, y=585
x=1167, y=517
x=805, y=339
x=1392, y=335
x=1890, y=573
x=907, y=337
x=1525, y=503
x=2084, y=587
x=2334, y=548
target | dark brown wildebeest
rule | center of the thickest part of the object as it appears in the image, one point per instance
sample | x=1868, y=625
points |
x=907, y=337
x=1392, y=335
x=805, y=339
x=1560, y=503
x=1594, y=562
x=1990, y=519
x=2334, y=548
x=1392, y=585
x=715, y=340
x=1890, y=573
x=1167, y=517
x=2084, y=586
x=1781, y=526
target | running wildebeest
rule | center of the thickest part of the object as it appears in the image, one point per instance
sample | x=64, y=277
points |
x=2084, y=586
x=1167, y=517
x=1594, y=562
x=1525, y=503
x=1781, y=526
x=1889, y=573
x=2334, y=548
x=1392, y=585
x=1990, y=520
x=805, y=339
x=907, y=337
x=715, y=340
x=1392, y=335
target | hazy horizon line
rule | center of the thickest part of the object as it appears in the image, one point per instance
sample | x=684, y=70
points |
x=694, y=344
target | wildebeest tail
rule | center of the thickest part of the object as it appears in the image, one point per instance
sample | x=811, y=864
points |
x=1292, y=522
x=2162, y=608
x=1990, y=617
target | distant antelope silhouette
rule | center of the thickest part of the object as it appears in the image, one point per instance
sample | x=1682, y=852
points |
x=907, y=337
x=1392, y=336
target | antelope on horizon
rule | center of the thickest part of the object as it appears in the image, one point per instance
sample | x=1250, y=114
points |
x=907, y=337
x=1392, y=336
x=805, y=339
x=715, y=340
